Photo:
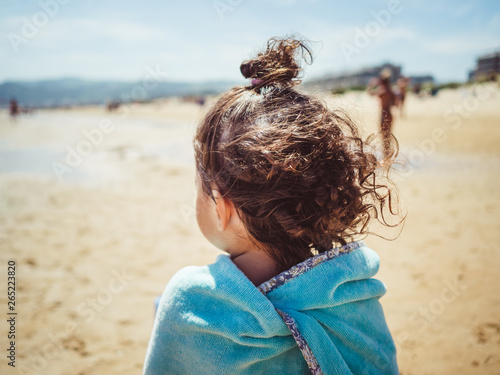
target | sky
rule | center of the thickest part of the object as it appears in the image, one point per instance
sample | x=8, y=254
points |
x=204, y=40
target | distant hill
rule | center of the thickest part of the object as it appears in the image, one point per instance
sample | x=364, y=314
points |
x=74, y=91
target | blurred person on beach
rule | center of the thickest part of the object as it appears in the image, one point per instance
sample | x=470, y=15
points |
x=13, y=109
x=382, y=88
x=402, y=87
x=286, y=187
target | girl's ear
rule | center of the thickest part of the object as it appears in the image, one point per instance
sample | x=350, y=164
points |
x=223, y=210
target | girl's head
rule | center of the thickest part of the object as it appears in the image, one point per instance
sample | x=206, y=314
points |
x=296, y=173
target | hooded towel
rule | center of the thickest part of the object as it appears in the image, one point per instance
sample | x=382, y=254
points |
x=322, y=316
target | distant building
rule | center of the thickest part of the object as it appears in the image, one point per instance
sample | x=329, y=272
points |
x=358, y=78
x=420, y=80
x=488, y=66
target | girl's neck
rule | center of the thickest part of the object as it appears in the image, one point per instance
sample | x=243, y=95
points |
x=257, y=266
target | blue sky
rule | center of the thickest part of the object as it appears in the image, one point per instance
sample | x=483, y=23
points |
x=197, y=40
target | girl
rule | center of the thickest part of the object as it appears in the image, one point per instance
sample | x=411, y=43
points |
x=284, y=184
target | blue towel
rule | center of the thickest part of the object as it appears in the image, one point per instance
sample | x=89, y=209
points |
x=213, y=320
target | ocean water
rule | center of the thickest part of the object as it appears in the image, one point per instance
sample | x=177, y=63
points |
x=49, y=158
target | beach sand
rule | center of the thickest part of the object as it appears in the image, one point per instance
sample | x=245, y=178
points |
x=94, y=243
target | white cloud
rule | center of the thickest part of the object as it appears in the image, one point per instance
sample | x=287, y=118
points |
x=495, y=20
x=461, y=44
x=112, y=29
x=288, y=2
x=398, y=33
x=59, y=31
x=464, y=9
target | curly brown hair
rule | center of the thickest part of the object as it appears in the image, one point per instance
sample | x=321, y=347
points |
x=298, y=173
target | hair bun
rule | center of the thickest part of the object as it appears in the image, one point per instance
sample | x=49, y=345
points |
x=279, y=63
x=247, y=70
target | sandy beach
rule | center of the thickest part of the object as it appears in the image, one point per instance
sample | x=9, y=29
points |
x=96, y=210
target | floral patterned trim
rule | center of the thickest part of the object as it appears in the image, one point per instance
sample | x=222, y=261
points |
x=312, y=363
x=306, y=265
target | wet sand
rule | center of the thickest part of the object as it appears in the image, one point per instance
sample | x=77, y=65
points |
x=96, y=243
